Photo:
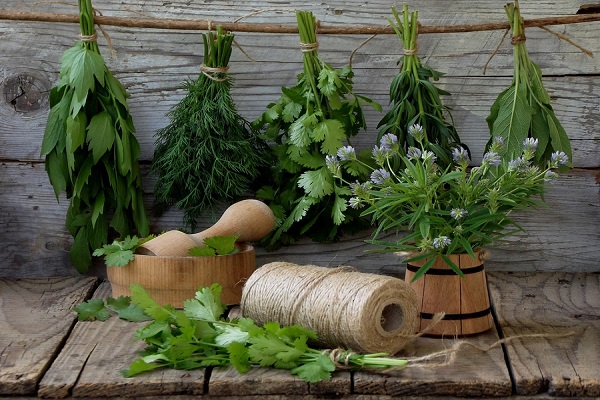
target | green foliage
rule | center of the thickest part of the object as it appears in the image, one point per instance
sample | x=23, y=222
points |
x=416, y=100
x=309, y=121
x=215, y=246
x=200, y=336
x=90, y=151
x=97, y=309
x=523, y=110
x=208, y=154
x=452, y=210
x=120, y=252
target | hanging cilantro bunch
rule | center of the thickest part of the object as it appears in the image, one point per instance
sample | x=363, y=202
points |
x=208, y=153
x=416, y=100
x=523, y=110
x=310, y=121
x=90, y=150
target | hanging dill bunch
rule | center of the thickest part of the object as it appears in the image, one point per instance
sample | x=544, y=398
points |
x=208, y=154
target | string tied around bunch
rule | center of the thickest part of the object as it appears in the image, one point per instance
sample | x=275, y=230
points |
x=213, y=72
x=308, y=47
x=515, y=40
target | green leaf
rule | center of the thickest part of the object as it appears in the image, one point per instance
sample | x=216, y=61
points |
x=514, y=119
x=313, y=371
x=222, y=244
x=80, y=251
x=291, y=111
x=132, y=313
x=100, y=134
x=85, y=66
x=92, y=310
x=207, y=305
x=57, y=169
x=139, y=366
x=142, y=299
x=318, y=183
x=119, y=253
x=238, y=356
x=300, y=132
x=305, y=157
x=54, y=130
x=339, y=206
x=331, y=133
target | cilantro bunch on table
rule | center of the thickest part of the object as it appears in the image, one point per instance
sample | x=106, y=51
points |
x=523, y=110
x=199, y=336
x=311, y=120
x=90, y=149
x=416, y=100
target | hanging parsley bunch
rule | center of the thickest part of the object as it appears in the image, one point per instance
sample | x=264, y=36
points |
x=523, y=110
x=416, y=100
x=208, y=154
x=90, y=150
x=311, y=120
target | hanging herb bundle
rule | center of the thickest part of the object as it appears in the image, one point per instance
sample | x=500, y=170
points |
x=416, y=100
x=310, y=121
x=523, y=110
x=208, y=153
x=90, y=150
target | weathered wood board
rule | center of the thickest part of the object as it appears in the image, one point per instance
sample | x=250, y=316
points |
x=465, y=371
x=553, y=305
x=89, y=365
x=152, y=63
x=35, y=319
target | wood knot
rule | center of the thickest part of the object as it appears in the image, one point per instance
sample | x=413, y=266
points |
x=25, y=93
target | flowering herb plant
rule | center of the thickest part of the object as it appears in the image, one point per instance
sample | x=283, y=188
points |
x=446, y=211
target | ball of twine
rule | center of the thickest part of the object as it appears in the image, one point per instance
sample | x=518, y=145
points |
x=362, y=312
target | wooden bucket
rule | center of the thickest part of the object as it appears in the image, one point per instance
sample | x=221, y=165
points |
x=171, y=280
x=464, y=300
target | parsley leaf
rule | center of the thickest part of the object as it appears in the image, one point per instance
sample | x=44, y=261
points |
x=92, y=310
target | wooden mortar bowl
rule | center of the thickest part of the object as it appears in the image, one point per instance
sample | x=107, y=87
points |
x=173, y=279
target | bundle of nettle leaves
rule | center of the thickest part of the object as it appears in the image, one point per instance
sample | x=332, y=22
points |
x=90, y=150
x=208, y=154
x=311, y=120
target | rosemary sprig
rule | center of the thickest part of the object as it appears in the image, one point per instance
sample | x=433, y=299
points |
x=416, y=100
x=208, y=154
x=90, y=150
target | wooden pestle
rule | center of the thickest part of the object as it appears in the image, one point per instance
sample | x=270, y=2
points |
x=251, y=219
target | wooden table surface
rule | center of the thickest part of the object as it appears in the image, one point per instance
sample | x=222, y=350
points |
x=45, y=352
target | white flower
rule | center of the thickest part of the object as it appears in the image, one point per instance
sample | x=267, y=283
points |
x=379, y=176
x=460, y=155
x=417, y=132
x=458, y=213
x=492, y=159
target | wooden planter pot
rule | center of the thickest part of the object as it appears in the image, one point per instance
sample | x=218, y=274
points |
x=171, y=280
x=464, y=300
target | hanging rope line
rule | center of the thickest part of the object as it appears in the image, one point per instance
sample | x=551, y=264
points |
x=184, y=24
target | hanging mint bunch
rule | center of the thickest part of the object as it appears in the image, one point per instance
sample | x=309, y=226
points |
x=523, y=110
x=208, y=154
x=90, y=150
x=416, y=100
x=312, y=120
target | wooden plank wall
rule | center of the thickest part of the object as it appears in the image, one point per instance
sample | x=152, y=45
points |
x=152, y=63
